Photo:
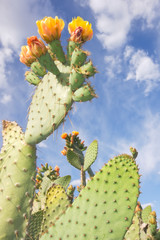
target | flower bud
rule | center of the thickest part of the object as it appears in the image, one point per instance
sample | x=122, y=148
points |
x=36, y=46
x=64, y=152
x=80, y=30
x=76, y=36
x=64, y=135
x=57, y=170
x=26, y=56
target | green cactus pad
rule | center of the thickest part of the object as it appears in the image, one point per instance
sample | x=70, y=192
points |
x=74, y=159
x=91, y=154
x=56, y=203
x=70, y=48
x=32, y=78
x=57, y=50
x=38, y=69
x=49, y=107
x=145, y=213
x=34, y=227
x=84, y=93
x=76, y=79
x=46, y=61
x=88, y=69
x=78, y=57
x=133, y=232
x=57, y=90
x=18, y=168
x=63, y=181
x=105, y=207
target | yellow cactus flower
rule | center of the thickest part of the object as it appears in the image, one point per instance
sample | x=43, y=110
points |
x=36, y=46
x=64, y=135
x=84, y=28
x=50, y=28
x=75, y=133
x=26, y=56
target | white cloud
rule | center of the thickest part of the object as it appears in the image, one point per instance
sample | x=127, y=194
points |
x=147, y=204
x=17, y=22
x=76, y=182
x=114, y=65
x=114, y=18
x=142, y=68
x=6, y=98
x=42, y=145
x=5, y=57
x=147, y=139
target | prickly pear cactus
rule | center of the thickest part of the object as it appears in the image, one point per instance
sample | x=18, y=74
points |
x=105, y=207
x=17, y=173
x=74, y=151
x=56, y=203
x=65, y=77
x=145, y=213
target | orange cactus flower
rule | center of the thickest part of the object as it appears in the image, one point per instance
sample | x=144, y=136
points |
x=26, y=56
x=75, y=133
x=64, y=135
x=36, y=46
x=50, y=28
x=86, y=31
x=57, y=170
x=64, y=152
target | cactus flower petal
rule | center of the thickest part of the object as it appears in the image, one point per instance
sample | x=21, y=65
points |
x=26, y=56
x=36, y=46
x=75, y=133
x=64, y=152
x=50, y=28
x=64, y=135
x=87, y=32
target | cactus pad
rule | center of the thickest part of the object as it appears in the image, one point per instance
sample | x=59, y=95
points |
x=111, y=195
x=63, y=83
x=18, y=167
x=56, y=203
x=145, y=214
x=34, y=227
x=91, y=154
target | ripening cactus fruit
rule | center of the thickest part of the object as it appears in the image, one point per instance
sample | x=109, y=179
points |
x=60, y=79
x=17, y=180
x=105, y=206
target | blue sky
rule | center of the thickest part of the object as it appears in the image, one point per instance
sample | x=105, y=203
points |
x=126, y=51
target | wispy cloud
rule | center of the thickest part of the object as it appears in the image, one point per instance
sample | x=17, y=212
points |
x=6, y=98
x=17, y=18
x=142, y=68
x=42, y=145
x=17, y=22
x=76, y=182
x=146, y=141
x=114, y=19
x=115, y=22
